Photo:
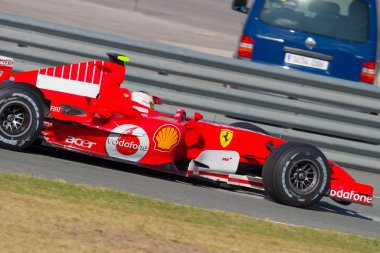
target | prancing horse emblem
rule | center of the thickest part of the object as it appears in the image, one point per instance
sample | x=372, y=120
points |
x=226, y=137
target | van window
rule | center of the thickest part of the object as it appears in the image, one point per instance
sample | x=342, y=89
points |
x=340, y=19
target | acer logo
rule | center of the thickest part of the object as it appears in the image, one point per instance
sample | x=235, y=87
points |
x=80, y=142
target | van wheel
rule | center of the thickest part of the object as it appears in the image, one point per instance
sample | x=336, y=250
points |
x=249, y=126
x=296, y=174
x=21, y=118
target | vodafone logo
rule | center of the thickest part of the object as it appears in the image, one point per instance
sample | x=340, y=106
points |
x=128, y=142
x=352, y=195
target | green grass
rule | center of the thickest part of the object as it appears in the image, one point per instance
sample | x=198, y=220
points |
x=54, y=216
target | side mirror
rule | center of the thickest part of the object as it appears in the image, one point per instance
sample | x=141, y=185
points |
x=197, y=116
x=157, y=100
x=180, y=115
x=240, y=6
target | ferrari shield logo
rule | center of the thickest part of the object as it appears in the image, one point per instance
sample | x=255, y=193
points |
x=226, y=137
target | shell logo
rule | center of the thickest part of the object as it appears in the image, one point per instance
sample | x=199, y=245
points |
x=166, y=137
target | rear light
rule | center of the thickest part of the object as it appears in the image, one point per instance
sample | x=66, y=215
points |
x=368, y=72
x=246, y=47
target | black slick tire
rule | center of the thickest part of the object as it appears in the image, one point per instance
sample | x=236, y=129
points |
x=21, y=117
x=296, y=174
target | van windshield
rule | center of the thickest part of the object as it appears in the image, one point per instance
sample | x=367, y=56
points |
x=340, y=19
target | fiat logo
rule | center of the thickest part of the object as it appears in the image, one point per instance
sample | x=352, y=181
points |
x=310, y=43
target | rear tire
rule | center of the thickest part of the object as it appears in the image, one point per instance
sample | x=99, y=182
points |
x=21, y=118
x=296, y=174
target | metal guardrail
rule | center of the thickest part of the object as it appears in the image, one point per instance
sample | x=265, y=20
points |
x=340, y=117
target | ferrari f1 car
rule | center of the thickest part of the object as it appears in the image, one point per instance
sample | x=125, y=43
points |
x=81, y=107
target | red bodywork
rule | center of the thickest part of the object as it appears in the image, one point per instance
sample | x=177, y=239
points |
x=91, y=114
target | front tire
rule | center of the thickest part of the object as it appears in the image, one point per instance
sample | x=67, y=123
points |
x=296, y=174
x=21, y=118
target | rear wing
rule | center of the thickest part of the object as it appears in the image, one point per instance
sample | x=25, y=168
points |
x=6, y=66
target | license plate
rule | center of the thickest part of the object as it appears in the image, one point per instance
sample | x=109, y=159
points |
x=306, y=61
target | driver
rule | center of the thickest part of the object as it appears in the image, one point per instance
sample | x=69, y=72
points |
x=143, y=98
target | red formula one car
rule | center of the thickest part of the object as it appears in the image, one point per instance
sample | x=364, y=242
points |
x=81, y=107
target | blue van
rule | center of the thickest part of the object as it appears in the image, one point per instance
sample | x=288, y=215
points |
x=337, y=38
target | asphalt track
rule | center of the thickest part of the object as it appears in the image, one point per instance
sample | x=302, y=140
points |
x=203, y=25
x=56, y=164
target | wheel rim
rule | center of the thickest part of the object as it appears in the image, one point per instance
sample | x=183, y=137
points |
x=15, y=118
x=304, y=177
